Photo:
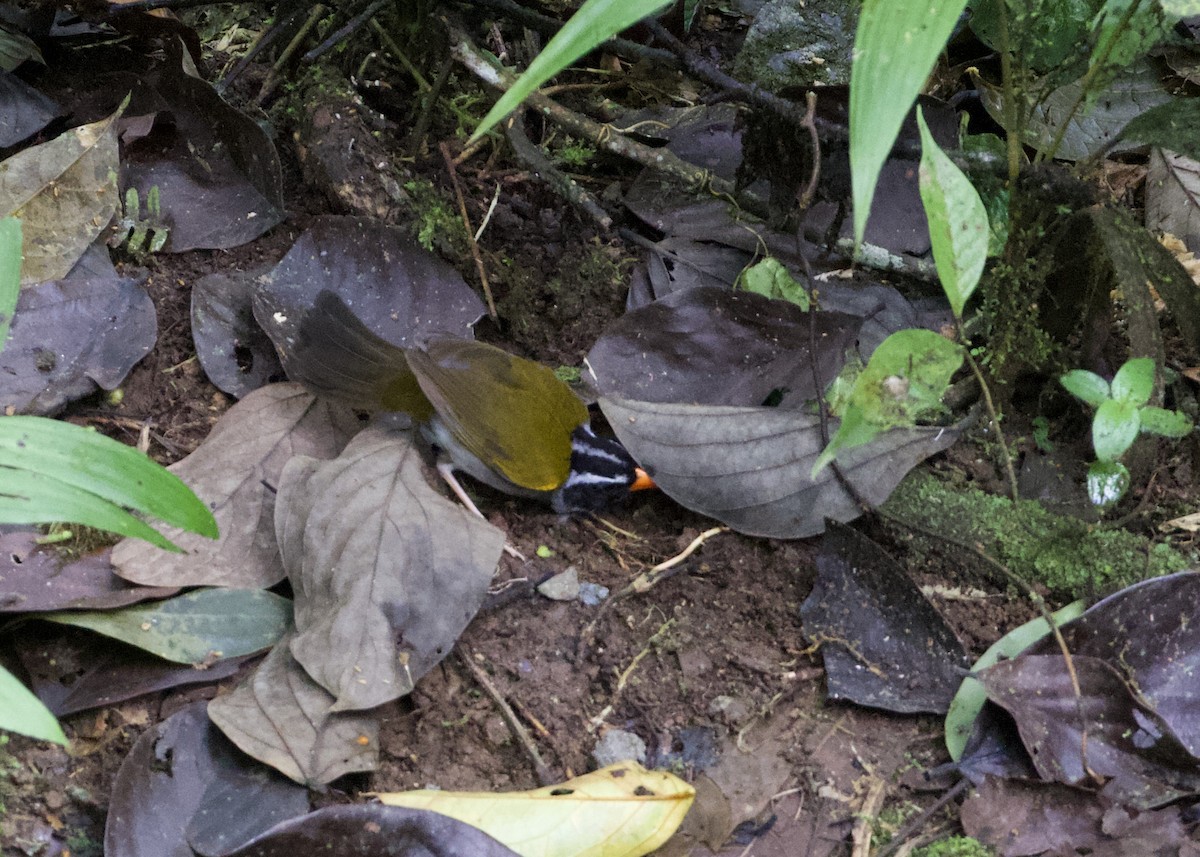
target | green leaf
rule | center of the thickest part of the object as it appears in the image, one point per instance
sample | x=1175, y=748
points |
x=594, y=23
x=1134, y=382
x=1043, y=34
x=1180, y=8
x=199, y=627
x=1169, y=126
x=99, y=465
x=969, y=699
x=958, y=223
x=1166, y=423
x=10, y=273
x=903, y=381
x=1114, y=428
x=22, y=712
x=1125, y=30
x=895, y=47
x=771, y=279
x=1107, y=482
x=1088, y=386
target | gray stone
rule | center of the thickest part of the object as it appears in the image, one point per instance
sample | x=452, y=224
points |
x=799, y=43
x=617, y=745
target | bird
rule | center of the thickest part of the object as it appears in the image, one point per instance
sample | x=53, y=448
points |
x=504, y=420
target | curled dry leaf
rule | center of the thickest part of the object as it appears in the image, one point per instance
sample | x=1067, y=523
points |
x=751, y=468
x=284, y=719
x=386, y=571
x=622, y=810
x=236, y=471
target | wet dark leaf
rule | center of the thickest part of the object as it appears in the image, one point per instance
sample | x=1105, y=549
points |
x=1140, y=761
x=1021, y=819
x=70, y=336
x=218, y=176
x=387, y=572
x=374, y=830
x=284, y=719
x=183, y=772
x=236, y=472
x=397, y=288
x=751, y=468
x=233, y=350
x=711, y=346
x=883, y=643
x=23, y=110
x=33, y=579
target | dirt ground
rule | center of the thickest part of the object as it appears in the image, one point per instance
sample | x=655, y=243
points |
x=710, y=668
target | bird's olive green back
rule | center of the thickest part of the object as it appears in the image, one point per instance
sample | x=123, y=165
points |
x=510, y=413
x=338, y=356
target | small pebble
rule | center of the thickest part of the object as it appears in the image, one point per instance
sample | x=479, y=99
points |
x=592, y=594
x=617, y=745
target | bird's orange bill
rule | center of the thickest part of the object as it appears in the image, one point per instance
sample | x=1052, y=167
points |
x=642, y=481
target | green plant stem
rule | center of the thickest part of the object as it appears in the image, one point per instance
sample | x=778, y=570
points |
x=1085, y=84
x=1015, y=134
x=1005, y=455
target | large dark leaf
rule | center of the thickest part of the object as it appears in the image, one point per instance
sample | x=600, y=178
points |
x=1139, y=759
x=23, y=110
x=236, y=471
x=38, y=579
x=218, y=176
x=711, y=346
x=883, y=643
x=387, y=572
x=396, y=288
x=283, y=718
x=374, y=831
x=183, y=772
x=751, y=468
x=70, y=336
x=233, y=350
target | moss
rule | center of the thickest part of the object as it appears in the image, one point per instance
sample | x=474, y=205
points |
x=436, y=224
x=1068, y=556
x=954, y=846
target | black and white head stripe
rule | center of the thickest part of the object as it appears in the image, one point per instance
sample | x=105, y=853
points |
x=601, y=472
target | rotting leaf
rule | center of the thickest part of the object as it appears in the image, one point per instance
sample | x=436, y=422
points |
x=65, y=192
x=712, y=346
x=373, y=831
x=883, y=643
x=1134, y=752
x=181, y=771
x=283, y=718
x=233, y=350
x=1173, y=196
x=387, y=572
x=236, y=471
x=194, y=628
x=23, y=110
x=396, y=288
x=70, y=336
x=751, y=468
x=622, y=810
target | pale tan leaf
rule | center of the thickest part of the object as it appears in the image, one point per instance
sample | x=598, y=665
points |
x=619, y=811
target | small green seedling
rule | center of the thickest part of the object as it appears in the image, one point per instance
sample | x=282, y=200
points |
x=769, y=278
x=141, y=236
x=1122, y=413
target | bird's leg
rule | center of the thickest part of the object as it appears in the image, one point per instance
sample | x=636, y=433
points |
x=446, y=470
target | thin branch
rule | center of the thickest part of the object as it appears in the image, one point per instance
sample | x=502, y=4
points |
x=466, y=219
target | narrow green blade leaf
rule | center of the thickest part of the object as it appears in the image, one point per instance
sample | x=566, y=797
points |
x=594, y=23
x=1114, y=429
x=201, y=626
x=895, y=47
x=971, y=694
x=958, y=222
x=10, y=273
x=1088, y=386
x=28, y=497
x=101, y=466
x=1134, y=381
x=22, y=712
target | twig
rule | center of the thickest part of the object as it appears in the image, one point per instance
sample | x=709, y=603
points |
x=544, y=775
x=466, y=219
x=1005, y=455
x=624, y=676
x=905, y=833
x=860, y=834
x=646, y=581
x=560, y=182
x=265, y=39
x=345, y=31
x=317, y=13
x=464, y=50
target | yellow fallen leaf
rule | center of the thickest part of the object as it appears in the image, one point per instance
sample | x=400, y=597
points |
x=619, y=811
